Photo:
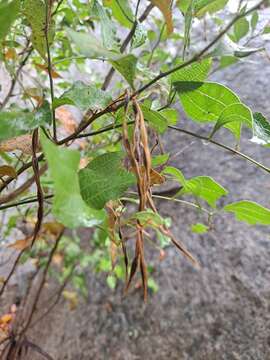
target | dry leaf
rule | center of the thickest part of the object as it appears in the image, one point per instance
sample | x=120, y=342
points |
x=165, y=7
x=36, y=94
x=156, y=178
x=53, y=228
x=10, y=54
x=83, y=163
x=54, y=74
x=5, y=319
x=21, y=244
x=22, y=143
x=7, y=170
x=57, y=259
x=72, y=298
x=66, y=118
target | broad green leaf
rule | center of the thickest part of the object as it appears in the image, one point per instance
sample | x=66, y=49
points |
x=165, y=7
x=241, y=28
x=171, y=116
x=121, y=10
x=208, y=6
x=68, y=205
x=199, y=228
x=261, y=129
x=90, y=47
x=160, y=159
x=254, y=20
x=250, y=212
x=108, y=30
x=35, y=13
x=8, y=14
x=84, y=97
x=15, y=123
x=176, y=173
x=126, y=66
x=205, y=188
x=227, y=47
x=197, y=71
x=155, y=119
x=104, y=179
x=232, y=117
x=204, y=101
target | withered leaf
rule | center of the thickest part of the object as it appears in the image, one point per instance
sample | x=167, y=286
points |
x=6, y=170
x=22, y=143
x=165, y=7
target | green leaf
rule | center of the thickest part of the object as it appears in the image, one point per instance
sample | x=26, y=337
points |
x=8, y=14
x=15, y=123
x=204, y=101
x=197, y=71
x=176, y=173
x=254, y=20
x=208, y=6
x=107, y=28
x=250, y=212
x=84, y=97
x=266, y=30
x=232, y=117
x=104, y=179
x=139, y=37
x=121, y=11
x=227, y=47
x=149, y=218
x=199, y=228
x=261, y=129
x=126, y=66
x=155, y=119
x=160, y=159
x=90, y=47
x=171, y=116
x=68, y=205
x=35, y=13
x=205, y=188
x=241, y=28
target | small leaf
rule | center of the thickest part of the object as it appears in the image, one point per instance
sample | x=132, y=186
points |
x=165, y=7
x=266, y=30
x=104, y=179
x=126, y=66
x=84, y=97
x=250, y=212
x=176, y=173
x=160, y=159
x=157, y=121
x=68, y=205
x=171, y=116
x=149, y=218
x=261, y=129
x=205, y=188
x=8, y=14
x=139, y=37
x=6, y=170
x=199, y=228
x=72, y=298
x=204, y=101
x=226, y=47
x=241, y=28
x=232, y=117
x=254, y=20
x=21, y=244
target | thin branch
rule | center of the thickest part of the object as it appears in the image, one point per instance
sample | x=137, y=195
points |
x=223, y=146
x=127, y=40
x=23, y=202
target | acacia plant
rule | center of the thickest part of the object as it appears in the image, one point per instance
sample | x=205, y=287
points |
x=89, y=90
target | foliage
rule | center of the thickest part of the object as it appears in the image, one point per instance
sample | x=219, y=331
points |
x=82, y=147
